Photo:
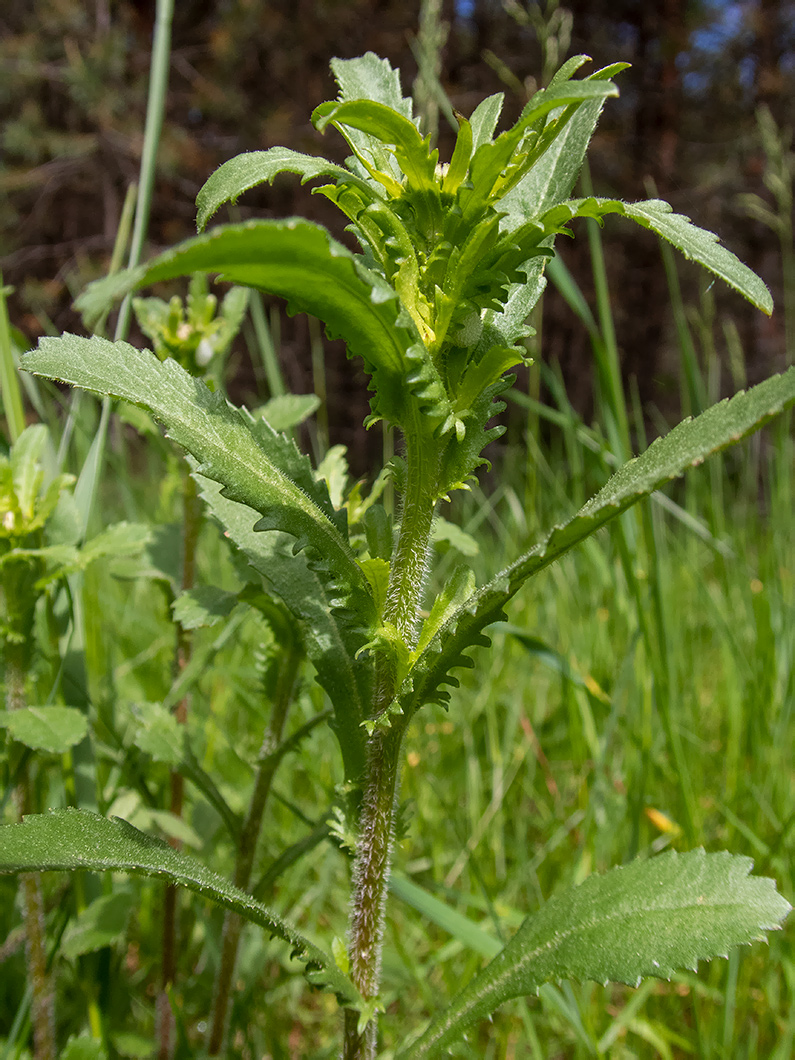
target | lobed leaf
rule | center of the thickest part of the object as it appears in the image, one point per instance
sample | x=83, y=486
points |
x=686, y=446
x=648, y=918
x=80, y=839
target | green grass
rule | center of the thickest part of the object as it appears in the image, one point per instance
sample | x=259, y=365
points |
x=543, y=770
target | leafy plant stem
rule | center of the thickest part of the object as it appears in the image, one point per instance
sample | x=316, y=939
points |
x=267, y=764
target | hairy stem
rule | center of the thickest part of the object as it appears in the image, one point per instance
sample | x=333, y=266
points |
x=371, y=875
x=410, y=562
x=267, y=763
x=380, y=788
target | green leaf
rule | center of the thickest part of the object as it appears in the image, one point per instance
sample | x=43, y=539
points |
x=686, y=446
x=253, y=463
x=332, y=635
x=384, y=124
x=286, y=411
x=695, y=243
x=248, y=170
x=203, y=606
x=79, y=839
x=50, y=729
x=100, y=924
x=648, y=918
x=553, y=175
x=83, y=1048
x=484, y=119
x=299, y=261
x=159, y=734
x=500, y=165
x=369, y=77
x=446, y=535
x=26, y=457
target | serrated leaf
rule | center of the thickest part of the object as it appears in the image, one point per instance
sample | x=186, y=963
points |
x=686, y=446
x=553, y=175
x=255, y=465
x=50, y=729
x=100, y=924
x=332, y=636
x=649, y=918
x=376, y=570
x=373, y=78
x=246, y=171
x=695, y=243
x=299, y=261
x=158, y=733
x=79, y=839
x=204, y=606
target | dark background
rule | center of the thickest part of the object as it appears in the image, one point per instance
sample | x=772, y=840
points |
x=246, y=74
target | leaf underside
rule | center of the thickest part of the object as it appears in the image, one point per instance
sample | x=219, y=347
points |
x=648, y=918
x=80, y=839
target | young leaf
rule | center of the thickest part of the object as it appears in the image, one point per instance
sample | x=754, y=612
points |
x=248, y=170
x=686, y=446
x=695, y=243
x=648, y=918
x=50, y=729
x=369, y=77
x=254, y=464
x=79, y=839
x=386, y=125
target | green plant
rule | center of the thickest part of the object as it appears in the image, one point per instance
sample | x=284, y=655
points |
x=451, y=263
